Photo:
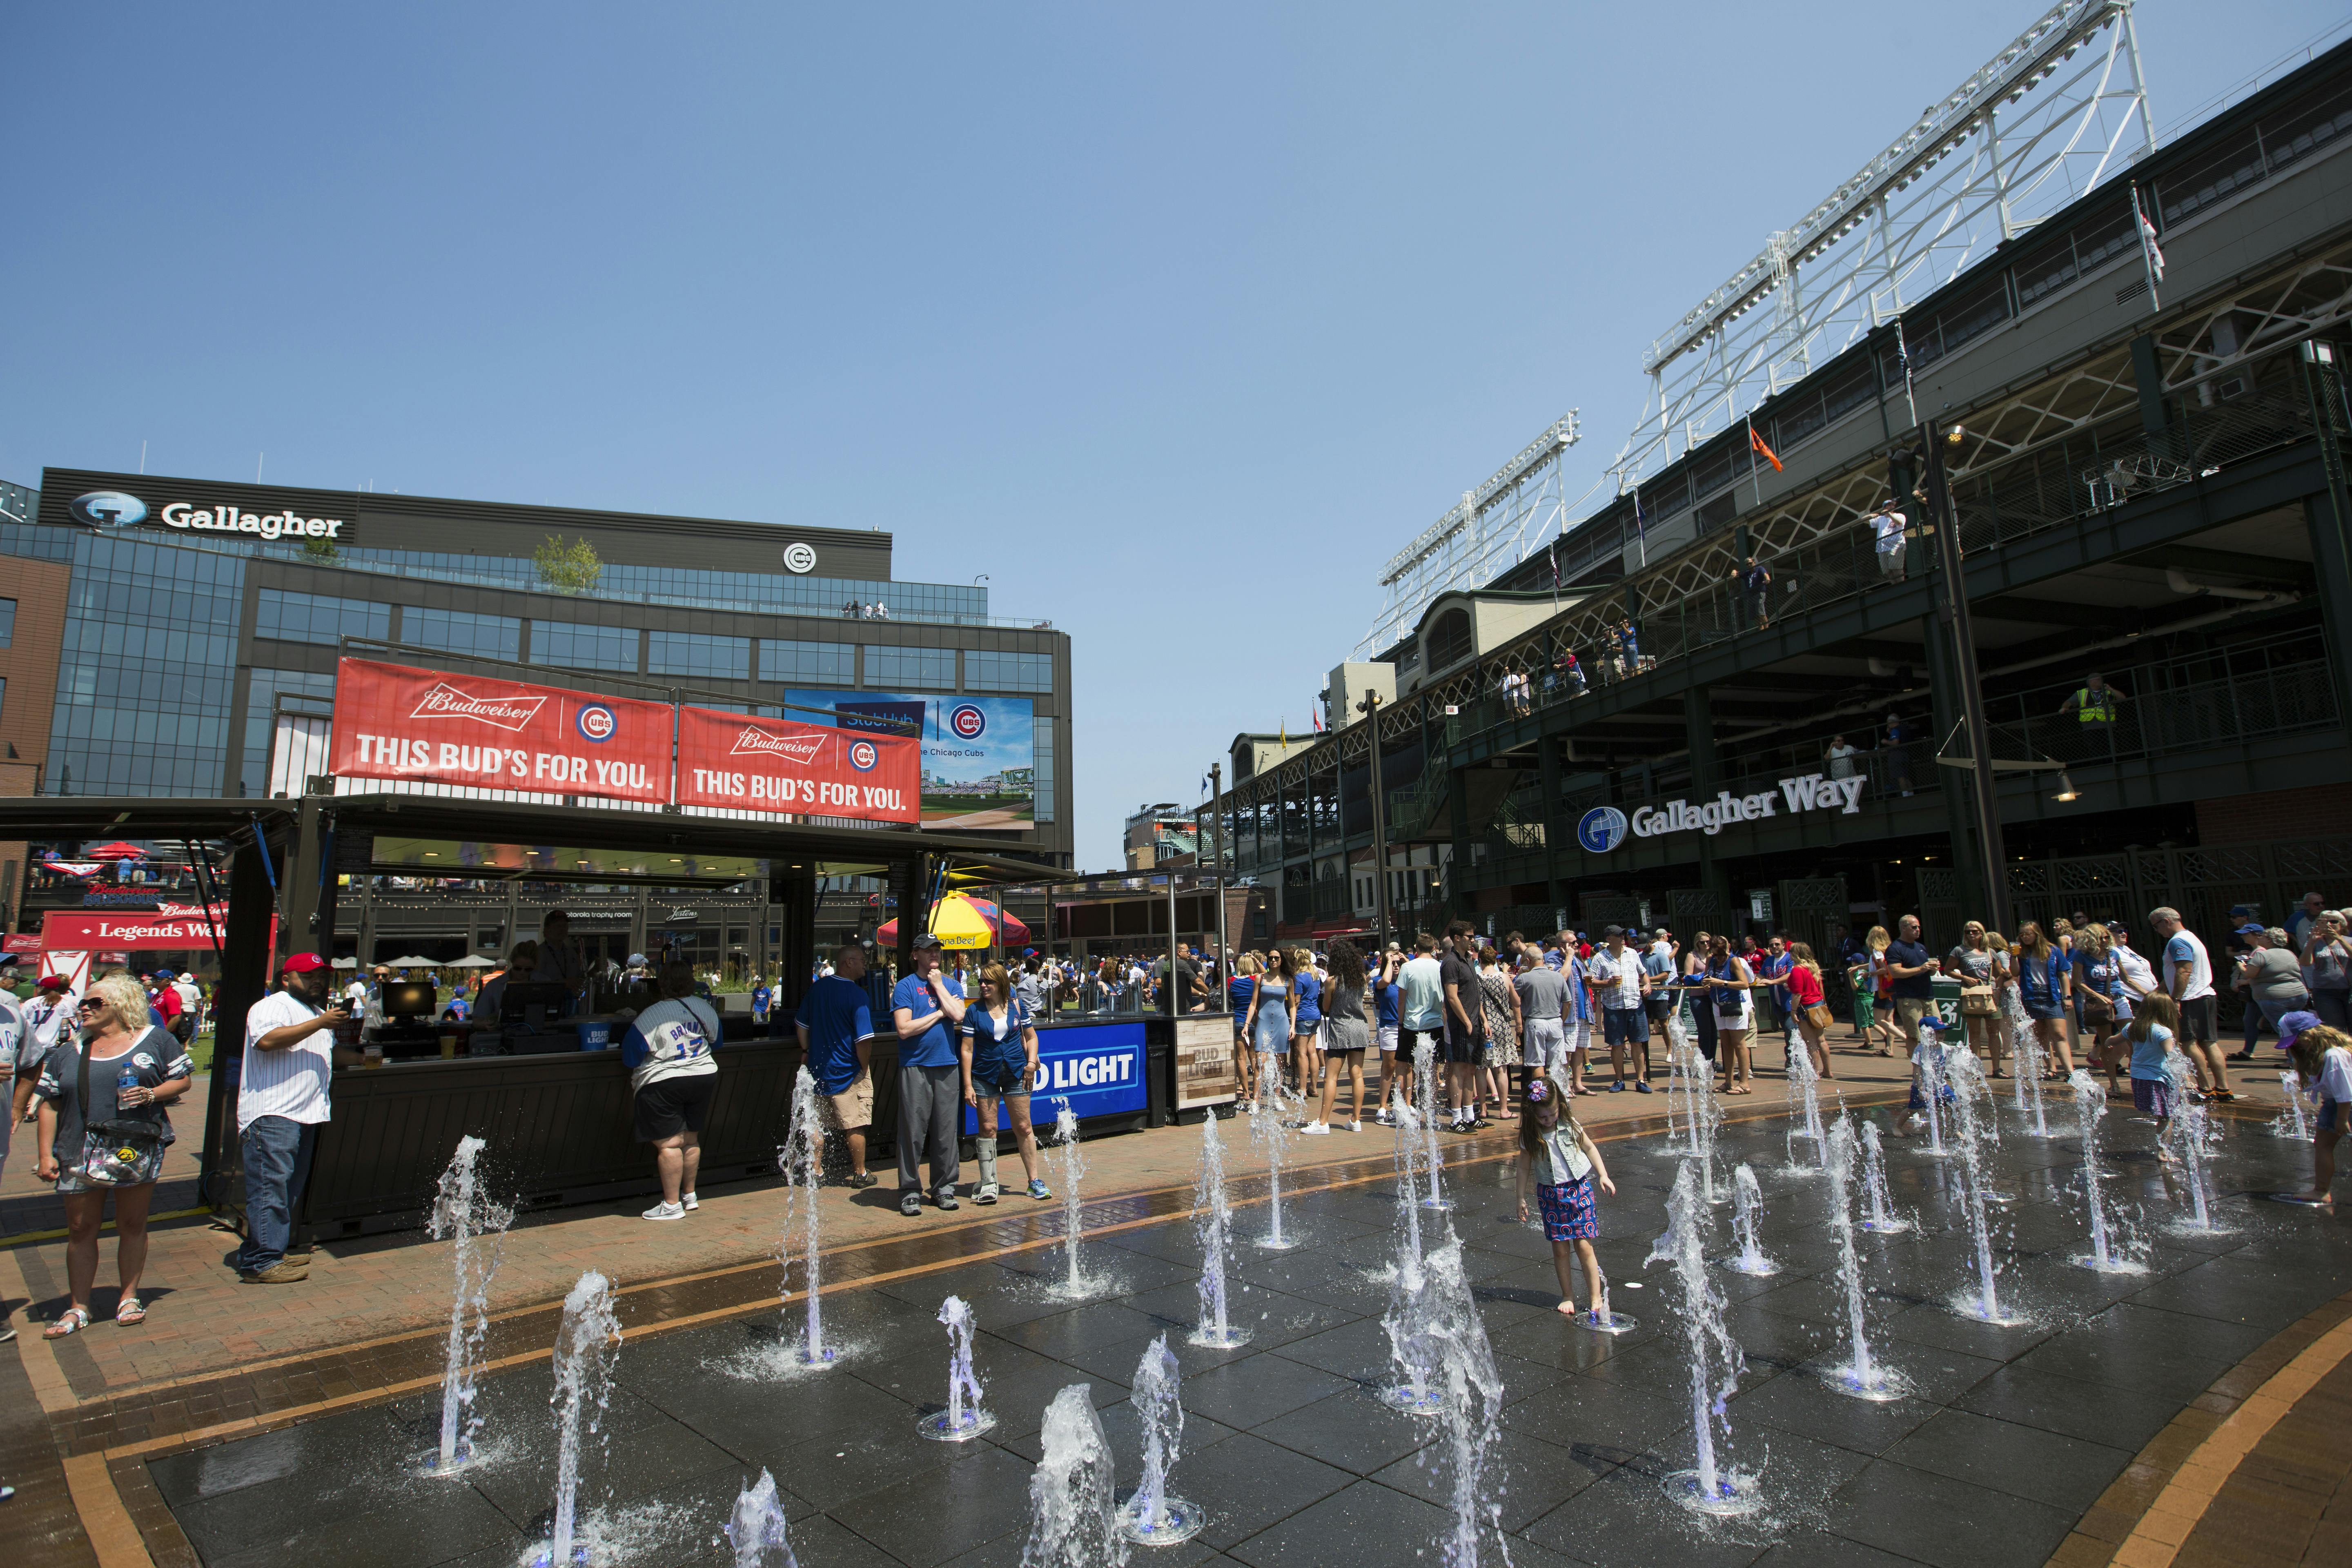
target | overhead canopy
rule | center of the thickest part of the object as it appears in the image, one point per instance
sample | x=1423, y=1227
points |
x=709, y=850
x=473, y=961
x=118, y=850
x=411, y=962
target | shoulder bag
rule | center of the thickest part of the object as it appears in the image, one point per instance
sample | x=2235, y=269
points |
x=114, y=1149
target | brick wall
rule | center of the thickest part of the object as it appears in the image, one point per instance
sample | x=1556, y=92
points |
x=2273, y=814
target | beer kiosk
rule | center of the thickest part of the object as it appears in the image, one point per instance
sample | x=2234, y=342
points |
x=429, y=773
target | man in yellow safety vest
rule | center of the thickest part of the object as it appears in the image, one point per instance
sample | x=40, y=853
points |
x=2096, y=703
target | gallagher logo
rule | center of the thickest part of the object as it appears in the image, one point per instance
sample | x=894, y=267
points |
x=597, y=723
x=797, y=748
x=107, y=509
x=509, y=713
x=967, y=722
x=1602, y=829
x=864, y=755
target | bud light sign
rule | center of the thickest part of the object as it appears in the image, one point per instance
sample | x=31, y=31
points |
x=1096, y=1068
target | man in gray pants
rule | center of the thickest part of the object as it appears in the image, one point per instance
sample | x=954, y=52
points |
x=928, y=1008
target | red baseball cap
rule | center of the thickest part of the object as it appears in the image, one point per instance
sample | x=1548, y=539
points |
x=301, y=964
x=51, y=983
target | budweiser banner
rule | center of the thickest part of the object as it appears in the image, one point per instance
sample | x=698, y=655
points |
x=394, y=722
x=741, y=763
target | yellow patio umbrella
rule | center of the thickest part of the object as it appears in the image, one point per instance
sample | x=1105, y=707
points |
x=956, y=920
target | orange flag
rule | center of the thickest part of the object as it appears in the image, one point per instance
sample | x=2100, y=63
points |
x=1762, y=450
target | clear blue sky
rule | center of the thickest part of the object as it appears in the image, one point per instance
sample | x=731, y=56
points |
x=1174, y=322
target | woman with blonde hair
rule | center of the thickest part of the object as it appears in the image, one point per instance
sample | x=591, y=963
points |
x=2045, y=980
x=1810, y=1001
x=1882, y=987
x=1971, y=963
x=1307, y=1024
x=1238, y=990
x=103, y=1129
x=998, y=1050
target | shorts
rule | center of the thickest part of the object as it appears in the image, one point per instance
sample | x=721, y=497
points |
x=1580, y=1036
x=1467, y=1046
x=2329, y=1111
x=1625, y=1026
x=1306, y=1033
x=1547, y=1043
x=2044, y=1009
x=669, y=1106
x=2151, y=1097
x=1409, y=1042
x=2197, y=1020
x=1000, y=1078
x=854, y=1107
x=1865, y=1011
x=1909, y=1010
x=1388, y=1036
x=1657, y=1006
x=1568, y=1212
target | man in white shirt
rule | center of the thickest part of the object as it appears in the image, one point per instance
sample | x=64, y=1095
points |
x=1620, y=983
x=282, y=1101
x=2186, y=973
x=1888, y=525
x=1841, y=755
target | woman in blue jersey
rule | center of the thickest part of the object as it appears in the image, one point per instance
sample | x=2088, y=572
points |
x=1239, y=989
x=1383, y=984
x=999, y=1047
x=2045, y=979
x=1305, y=1021
x=1268, y=1026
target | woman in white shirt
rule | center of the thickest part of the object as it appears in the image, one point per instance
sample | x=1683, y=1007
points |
x=2322, y=1060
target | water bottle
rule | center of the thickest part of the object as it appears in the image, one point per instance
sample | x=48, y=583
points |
x=123, y=1084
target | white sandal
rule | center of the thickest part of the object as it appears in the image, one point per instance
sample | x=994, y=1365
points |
x=73, y=1320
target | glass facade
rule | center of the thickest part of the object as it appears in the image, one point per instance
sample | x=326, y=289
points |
x=461, y=631
x=766, y=593
x=574, y=646
x=7, y=622
x=984, y=670
x=919, y=668
x=816, y=663
x=696, y=656
x=148, y=669
x=319, y=618
x=260, y=707
x=1043, y=740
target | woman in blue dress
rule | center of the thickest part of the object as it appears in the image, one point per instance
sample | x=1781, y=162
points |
x=1273, y=1018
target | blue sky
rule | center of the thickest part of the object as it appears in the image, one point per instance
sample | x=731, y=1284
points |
x=1174, y=322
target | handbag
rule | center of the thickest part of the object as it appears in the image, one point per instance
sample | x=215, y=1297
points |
x=115, y=1151
x=1975, y=1001
x=1818, y=1015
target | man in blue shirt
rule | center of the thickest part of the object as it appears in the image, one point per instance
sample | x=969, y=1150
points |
x=760, y=999
x=927, y=1010
x=835, y=1025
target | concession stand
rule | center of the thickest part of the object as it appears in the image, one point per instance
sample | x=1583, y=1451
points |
x=654, y=795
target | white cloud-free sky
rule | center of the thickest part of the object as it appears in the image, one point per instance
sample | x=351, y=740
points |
x=1175, y=323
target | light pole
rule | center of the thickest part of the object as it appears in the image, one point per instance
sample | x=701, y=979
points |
x=1370, y=709
x=1954, y=613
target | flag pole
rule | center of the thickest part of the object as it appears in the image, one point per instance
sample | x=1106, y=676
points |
x=2151, y=257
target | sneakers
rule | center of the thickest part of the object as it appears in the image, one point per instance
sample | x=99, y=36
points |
x=1249, y=1107
x=1617, y=1088
x=986, y=1194
x=1316, y=1129
x=1385, y=1118
x=279, y=1273
x=665, y=1211
x=1040, y=1190
x=1355, y=1127
x=688, y=1202
x=947, y=1200
x=911, y=1204
x=861, y=1180
x=1642, y=1088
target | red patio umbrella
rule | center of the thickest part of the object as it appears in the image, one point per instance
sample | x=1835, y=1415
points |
x=118, y=850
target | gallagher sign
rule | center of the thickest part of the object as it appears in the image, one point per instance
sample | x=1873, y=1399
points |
x=1811, y=793
x=482, y=732
x=109, y=512
x=736, y=763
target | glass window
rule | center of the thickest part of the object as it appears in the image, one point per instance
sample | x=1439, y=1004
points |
x=990, y=671
x=1042, y=760
x=819, y=663
x=261, y=705
x=575, y=646
x=891, y=669
x=319, y=617
x=7, y=622
x=693, y=654
x=462, y=631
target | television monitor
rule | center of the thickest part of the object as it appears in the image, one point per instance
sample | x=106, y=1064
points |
x=409, y=998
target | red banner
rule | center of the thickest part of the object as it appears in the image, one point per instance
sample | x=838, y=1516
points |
x=395, y=722
x=741, y=763
x=80, y=931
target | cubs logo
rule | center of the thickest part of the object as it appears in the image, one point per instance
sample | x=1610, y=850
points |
x=967, y=722
x=864, y=755
x=597, y=723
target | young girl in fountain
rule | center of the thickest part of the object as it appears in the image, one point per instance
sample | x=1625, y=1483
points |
x=2156, y=1080
x=2322, y=1060
x=1560, y=1160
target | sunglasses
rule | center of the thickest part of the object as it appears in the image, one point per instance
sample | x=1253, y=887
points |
x=87, y=1004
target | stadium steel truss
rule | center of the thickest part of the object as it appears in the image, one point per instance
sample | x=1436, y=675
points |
x=2034, y=128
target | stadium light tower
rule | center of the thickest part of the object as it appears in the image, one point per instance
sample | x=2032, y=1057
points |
x=2035, y=127
x=1492, y=529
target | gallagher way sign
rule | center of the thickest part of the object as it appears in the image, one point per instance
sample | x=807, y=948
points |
x=1604, y=828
